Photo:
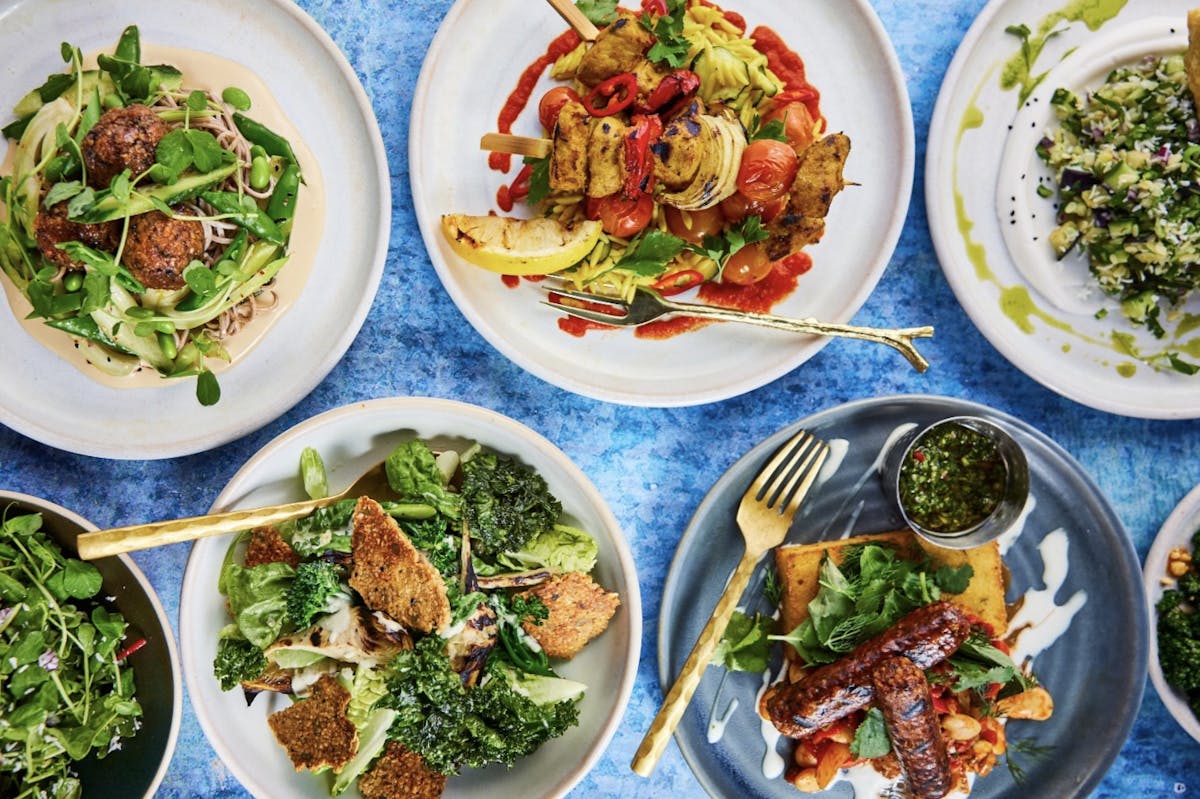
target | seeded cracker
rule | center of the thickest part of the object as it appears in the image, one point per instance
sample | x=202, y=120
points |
x=315, y=731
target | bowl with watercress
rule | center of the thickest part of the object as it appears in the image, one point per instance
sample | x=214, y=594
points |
x=90, y=692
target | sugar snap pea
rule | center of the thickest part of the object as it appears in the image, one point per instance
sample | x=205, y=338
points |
x=282, y=205
x=256, y=221
x=258, y=133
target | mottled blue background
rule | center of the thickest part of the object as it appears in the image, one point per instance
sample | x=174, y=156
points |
x=652, y=466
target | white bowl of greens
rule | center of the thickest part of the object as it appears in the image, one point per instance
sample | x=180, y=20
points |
x=126, y=703
x=349, y=441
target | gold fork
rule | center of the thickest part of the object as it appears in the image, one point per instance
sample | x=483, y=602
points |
x=764, y=516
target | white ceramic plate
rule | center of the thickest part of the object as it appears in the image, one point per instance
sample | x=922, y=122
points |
x=990, y=228
x=48, y=399
x=350, y=439
x=463, y=83
x=1177, y=531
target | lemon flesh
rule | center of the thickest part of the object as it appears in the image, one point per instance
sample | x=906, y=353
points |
x=519, y=246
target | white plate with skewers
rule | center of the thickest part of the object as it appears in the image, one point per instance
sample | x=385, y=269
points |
x=463, y=85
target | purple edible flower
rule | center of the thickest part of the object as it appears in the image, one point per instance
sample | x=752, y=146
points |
x=48, y=660
x=6, y=614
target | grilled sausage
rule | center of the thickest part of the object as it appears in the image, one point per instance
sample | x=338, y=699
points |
x=902, y=694
x=926, y=636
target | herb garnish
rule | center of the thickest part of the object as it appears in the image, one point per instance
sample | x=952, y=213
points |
x=746, y=644
x=672, y=47
x=598, y=12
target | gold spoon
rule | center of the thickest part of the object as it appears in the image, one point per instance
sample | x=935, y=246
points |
x=102, y=543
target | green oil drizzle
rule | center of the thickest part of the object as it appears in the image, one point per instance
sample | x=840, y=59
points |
x=1126, y=369
x=1018, y=70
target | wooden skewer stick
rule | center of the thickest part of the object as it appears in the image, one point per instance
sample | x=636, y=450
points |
x=517, y=145
x=575, y=18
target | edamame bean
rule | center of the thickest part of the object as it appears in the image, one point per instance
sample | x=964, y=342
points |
x=166, y=343
x=236, y=98
x=257, y=151
x=260, y=173
x=73, y=280
x=138, y=312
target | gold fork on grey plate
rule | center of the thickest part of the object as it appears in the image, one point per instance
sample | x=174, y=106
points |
x=764, y=516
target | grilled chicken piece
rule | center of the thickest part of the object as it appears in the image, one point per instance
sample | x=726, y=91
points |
x=606, y=156
x=818, y=180
x=679, y=152
x=468, y=649
x=696, y=160
x=620, y=47
x=568, y=159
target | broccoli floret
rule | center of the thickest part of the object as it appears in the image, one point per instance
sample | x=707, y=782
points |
x=237, y=660
x=315, y=583
x=505, y=503
x=1178, y=642
x=1189, y=586
x=453, y=727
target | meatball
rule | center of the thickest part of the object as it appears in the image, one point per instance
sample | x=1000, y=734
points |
x=123, y=138
x=158, y=248
x=52, y=227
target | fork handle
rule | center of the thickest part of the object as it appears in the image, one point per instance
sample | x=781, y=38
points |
x=900, y=339
x=677, y=699
x=102, y=543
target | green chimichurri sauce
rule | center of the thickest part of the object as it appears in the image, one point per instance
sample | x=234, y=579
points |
x=952, y=479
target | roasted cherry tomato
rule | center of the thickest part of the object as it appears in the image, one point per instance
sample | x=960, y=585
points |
x=737, y=206
x=551, y=104
x=798, y=124
x=767, y=170
x=693, y=226
x=746, y=266
x=623, y=217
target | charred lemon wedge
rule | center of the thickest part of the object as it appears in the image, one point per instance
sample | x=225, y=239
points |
x=519, y=246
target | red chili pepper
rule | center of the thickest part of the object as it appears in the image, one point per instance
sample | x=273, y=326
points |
x=519, y=189
x=655, y=7
x=681, y=83
x=639, y=165
x=918, y=456
x=989, y=735
x=129, y=650
x=678, y=282
x=612, y=96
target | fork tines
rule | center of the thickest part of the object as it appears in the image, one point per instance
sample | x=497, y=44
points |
x=593, y=307
x=790, y=474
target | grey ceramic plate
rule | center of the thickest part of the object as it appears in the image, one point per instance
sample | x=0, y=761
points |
x=1093, y=691
x=138, y=767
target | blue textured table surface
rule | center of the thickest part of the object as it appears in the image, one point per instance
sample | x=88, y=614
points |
x=1144, y=467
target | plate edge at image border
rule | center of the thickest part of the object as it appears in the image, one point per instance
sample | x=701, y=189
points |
x=1155, y=569
x=949, y=406
x=939, y=151
x=400, y=408
x=275, y=404
x=661, y=399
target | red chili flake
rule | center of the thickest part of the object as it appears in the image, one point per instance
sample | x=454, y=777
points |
x=129, y=650
x=918, y=456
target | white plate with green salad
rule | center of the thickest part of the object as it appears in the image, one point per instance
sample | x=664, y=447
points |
x=847, y=57
x=324, y=246
x=349, y=440
x=1076, y=266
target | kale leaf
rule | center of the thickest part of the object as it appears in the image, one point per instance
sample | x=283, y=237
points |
x=237, y=660
x=452, y=727
x=505, y=503
x=315, y=582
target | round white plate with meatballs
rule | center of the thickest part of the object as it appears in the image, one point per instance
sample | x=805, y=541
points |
x=863, y=95
x=350, y=440
x=298, y=292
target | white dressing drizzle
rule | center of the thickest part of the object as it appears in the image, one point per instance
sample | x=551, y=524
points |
x=1040, y=621
x=716, y=726
x=772, y=763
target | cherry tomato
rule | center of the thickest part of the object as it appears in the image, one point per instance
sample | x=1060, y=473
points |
x=798, y=124
x=708, y=222
x=622, y=217
x=746, y=266
x=767, y=170
x=737, y=206
x=552, y=102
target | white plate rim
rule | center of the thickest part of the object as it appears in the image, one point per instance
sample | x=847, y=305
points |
x=958, y=270
x=652, y=396
x=397, y=409
x=1177, y=530
x=252, y=413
